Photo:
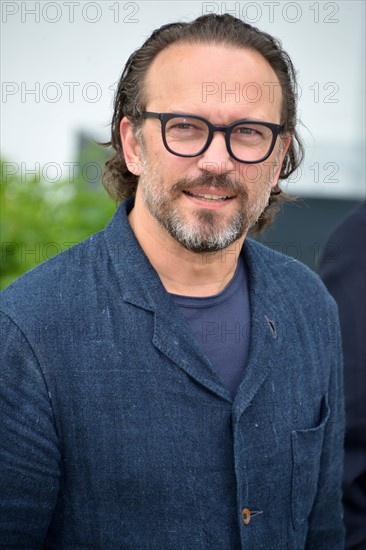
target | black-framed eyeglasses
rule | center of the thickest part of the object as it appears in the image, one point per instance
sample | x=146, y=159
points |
x=186, y=135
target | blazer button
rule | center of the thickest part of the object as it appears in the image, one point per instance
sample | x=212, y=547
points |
x=245, y=516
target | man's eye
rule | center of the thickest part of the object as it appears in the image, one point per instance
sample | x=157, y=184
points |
x=184, y=126
x=246, y=131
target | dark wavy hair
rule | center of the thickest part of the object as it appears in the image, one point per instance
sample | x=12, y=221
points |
x=130, y=98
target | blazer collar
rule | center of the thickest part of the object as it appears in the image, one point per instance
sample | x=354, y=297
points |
x=140, y=286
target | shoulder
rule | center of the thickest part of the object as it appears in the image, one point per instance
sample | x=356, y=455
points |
x=349, y=236
x=353, y=222
x=344, y=256
x=286, y=280
x=280, y=268
x=59, y=279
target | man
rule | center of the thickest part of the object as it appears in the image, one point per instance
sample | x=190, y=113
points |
x=343, y=270
x=169, y=383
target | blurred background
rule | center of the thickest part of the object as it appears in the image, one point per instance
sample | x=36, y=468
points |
x=61, y=62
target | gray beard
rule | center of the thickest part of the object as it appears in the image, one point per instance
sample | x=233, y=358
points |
x=204, y=235
x=207, y=232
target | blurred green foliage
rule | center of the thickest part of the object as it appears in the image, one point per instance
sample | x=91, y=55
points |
x=40, y=219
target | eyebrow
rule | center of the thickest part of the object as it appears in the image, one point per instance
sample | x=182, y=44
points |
x=237, y=119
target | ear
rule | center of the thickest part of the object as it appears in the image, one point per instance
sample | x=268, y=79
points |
x=131, y=147
x=285, y=145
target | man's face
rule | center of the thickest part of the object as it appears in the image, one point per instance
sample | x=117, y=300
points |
x=208, y=202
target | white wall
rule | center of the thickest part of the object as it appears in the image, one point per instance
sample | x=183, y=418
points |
x=72, y=53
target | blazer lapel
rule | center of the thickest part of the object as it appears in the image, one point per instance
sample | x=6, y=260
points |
x=266, y=336
x=141, y=286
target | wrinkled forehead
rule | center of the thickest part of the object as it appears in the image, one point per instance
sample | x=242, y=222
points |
x=212, y=74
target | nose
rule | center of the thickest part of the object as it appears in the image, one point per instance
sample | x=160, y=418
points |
x=216, y=158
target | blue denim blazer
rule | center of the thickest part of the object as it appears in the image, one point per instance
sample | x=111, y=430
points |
x=116, y=432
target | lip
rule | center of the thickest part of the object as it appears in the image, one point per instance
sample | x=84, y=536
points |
x=194, y=196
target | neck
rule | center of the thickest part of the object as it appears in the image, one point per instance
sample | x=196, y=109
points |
x=180, y=270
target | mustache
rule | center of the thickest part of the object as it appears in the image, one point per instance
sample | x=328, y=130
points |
x=218, y=181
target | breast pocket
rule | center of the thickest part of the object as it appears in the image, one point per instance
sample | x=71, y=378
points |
x=306, y=454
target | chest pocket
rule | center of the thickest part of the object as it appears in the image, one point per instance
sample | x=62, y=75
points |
x=306, y=454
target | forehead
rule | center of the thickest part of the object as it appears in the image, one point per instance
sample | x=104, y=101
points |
x=201, y=77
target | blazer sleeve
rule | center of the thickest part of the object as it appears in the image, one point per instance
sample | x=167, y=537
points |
x=29, y=454
x=326, y=526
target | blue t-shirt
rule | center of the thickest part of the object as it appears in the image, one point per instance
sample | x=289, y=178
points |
x=221, y=325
